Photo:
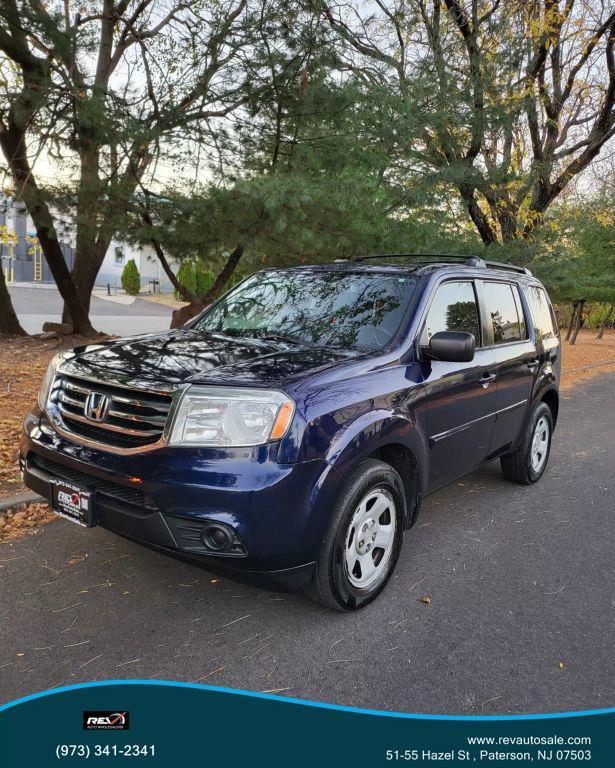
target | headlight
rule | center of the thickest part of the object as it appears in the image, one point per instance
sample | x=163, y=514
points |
x=48, y=380
x=217, y=416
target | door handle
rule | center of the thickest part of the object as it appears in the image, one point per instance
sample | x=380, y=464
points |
x=533, y=364
x=487, y=379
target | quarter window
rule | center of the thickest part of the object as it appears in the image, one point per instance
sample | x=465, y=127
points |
x=507, y=323
x=541, y=312
x=452, y=309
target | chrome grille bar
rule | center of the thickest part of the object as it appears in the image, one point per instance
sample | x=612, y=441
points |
x=108, y=425
x=133, y=419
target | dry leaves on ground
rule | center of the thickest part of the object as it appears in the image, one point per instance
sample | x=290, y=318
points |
x=15, y=523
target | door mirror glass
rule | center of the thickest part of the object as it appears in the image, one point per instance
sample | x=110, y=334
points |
x=452, y=346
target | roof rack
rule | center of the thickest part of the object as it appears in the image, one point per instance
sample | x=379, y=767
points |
x=468, y=261
x=439, y=256
x=506, y=265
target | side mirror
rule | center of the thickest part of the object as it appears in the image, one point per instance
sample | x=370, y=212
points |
x=452, y=346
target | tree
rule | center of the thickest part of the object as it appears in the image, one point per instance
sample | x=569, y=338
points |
x=26, y=97
x=504, y=102
x=581, y=267
x=9, y=323
x=313, y=180
x=131, y=280
x=109, y=88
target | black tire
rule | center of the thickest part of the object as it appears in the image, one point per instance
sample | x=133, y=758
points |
x=517, y=465
x=331, y=584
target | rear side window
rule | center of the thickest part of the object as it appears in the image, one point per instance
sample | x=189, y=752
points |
x=541, y=312
x=453, y=309
x=504, y=312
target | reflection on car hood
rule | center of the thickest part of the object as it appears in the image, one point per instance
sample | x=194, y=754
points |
x=162, y=361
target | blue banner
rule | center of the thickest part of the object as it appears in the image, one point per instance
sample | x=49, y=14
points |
x=173, y=724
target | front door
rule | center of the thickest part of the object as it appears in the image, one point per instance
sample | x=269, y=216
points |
x=460, y=397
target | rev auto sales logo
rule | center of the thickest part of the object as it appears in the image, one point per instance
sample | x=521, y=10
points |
x=106, y=721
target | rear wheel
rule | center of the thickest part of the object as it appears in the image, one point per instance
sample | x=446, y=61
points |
x=528, y=462
x=360, y=548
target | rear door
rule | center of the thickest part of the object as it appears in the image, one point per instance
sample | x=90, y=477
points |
x=516, y=357
x=460, y=397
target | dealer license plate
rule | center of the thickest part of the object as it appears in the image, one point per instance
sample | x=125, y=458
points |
x=73, y=503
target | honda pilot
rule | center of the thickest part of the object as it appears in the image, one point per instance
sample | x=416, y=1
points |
x=288, y=434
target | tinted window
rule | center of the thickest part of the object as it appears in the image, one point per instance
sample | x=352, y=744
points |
x=452, y=309
x=315, y=307
x=541, y=312
x=502, y=310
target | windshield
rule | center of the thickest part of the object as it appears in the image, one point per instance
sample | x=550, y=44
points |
x=330, y=309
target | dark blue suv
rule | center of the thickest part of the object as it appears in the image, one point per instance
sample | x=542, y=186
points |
x=288, y=434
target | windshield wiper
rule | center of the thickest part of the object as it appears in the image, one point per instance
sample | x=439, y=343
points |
x=275, y=336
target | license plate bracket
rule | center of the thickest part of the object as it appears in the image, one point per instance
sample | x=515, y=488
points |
x=74, y=503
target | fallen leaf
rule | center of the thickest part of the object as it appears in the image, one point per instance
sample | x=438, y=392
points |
x=426, y=600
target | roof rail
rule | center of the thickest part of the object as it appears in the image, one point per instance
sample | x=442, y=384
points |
x=469, y=261
x=412, y=256
x=505, y=265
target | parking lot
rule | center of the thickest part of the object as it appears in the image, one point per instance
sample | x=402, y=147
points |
x=520, y=618
x=34, y=306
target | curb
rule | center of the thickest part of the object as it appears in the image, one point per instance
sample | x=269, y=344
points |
x=6, y=505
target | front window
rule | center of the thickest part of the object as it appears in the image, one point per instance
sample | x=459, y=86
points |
x=452, y=309
x=351, y=310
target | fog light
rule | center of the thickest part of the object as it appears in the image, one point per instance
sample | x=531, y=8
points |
x=217, y=537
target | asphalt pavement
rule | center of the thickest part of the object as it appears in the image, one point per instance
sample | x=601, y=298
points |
x=34, y=306
x=521, y=619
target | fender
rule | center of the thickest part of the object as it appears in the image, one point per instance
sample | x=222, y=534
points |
x=376, y=430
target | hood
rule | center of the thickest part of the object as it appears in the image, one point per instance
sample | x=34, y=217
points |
x=162, y=361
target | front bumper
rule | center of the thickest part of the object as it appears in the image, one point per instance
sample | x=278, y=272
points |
x=165, y=497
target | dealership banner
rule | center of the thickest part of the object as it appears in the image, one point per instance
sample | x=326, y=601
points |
x=142, y=722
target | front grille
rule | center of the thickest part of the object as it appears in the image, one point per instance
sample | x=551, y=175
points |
x=131, y=418
x=114, y=491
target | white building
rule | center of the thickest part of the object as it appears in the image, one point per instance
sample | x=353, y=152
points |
x=148, y=264
x=23, y=262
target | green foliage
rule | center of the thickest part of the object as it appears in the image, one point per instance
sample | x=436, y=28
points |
x=186, y=275
x=316, y=185
x=578, y=261
x=131, y=280
x=204, y=278
x=597, y=314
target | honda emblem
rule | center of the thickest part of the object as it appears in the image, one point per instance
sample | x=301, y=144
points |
x=96, y=406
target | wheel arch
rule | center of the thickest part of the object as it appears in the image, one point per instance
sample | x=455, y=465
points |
x=392, y=439
x=551, y=398
x=404, y=462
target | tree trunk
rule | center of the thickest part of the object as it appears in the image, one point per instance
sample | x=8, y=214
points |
x=14, y=149
x=181, y=289
x=9, y=324
x=85, y=271
x=605, y=321
x=579, y=322
x=480, y=220
x=181, y=316
x=573, y=316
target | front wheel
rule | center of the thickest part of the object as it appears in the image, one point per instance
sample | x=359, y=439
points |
x=361, y=545
x=528, y=462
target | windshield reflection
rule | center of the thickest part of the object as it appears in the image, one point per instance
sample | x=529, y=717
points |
x=352, y=310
